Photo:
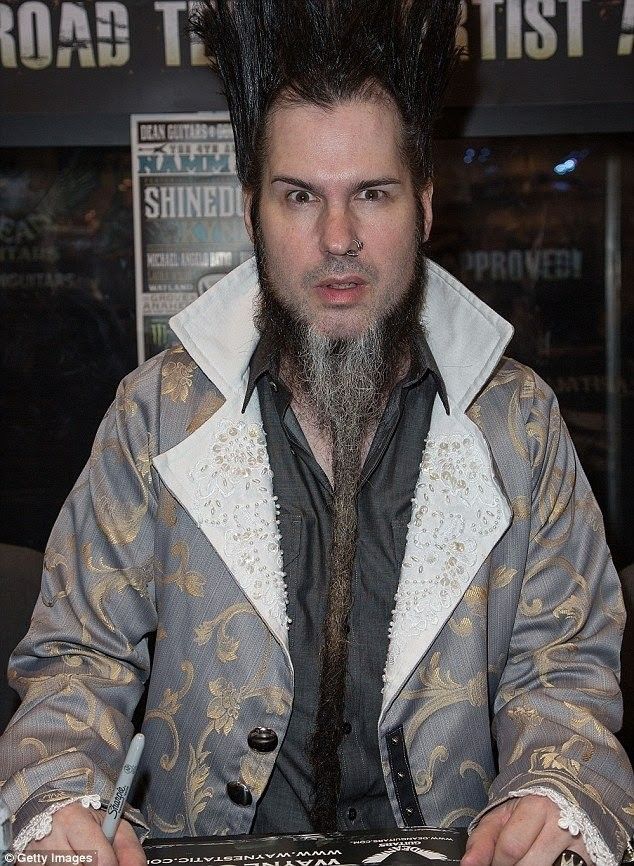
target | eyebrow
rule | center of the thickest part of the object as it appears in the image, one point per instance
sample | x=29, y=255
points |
x=364, y=184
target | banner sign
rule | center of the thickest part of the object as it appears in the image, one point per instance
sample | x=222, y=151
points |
x=97, y=57
x=188, y=216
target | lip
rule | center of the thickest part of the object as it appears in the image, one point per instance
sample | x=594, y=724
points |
x=342, y=291
x=338, y=282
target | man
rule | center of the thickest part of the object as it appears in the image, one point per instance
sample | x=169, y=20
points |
x=258, y=496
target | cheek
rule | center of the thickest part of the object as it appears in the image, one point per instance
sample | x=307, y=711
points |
x=392, y=233
x=285, y=248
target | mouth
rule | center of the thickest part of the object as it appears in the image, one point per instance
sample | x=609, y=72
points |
x=341, y=290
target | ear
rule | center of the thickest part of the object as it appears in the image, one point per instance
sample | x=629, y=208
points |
x=247, y=198
x=425, y=196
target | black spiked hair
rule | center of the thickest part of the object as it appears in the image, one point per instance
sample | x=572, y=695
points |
x=324, y=52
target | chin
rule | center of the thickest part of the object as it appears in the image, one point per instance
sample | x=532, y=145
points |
x=343, y=327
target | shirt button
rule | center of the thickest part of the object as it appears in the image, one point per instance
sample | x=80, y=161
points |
x=352, y=814
x=347, y=728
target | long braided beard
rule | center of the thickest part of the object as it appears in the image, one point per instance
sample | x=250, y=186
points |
x=344, y=382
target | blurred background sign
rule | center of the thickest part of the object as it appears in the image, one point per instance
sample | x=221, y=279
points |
x=73, y=72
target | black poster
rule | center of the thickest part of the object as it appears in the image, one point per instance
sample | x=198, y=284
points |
x=95, y=58
x=415, y=847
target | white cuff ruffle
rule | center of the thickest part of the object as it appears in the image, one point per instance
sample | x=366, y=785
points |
x=576, y=822
x=41, y=825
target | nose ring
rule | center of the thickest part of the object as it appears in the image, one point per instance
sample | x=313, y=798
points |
x=354, y=253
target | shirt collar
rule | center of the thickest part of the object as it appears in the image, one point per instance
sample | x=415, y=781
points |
x=423, y=362
x=264, y=360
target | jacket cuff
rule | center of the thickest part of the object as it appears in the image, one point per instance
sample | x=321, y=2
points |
x=33, y=819
x=40, y=825
x=576, y=822
x=571, y=818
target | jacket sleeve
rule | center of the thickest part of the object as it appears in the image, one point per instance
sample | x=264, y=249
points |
x=558, y=698
x=82, y=667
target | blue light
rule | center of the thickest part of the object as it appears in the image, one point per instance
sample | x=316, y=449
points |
x=566, y=167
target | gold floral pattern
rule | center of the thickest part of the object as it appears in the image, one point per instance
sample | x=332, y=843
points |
x=480, y=772
x=119, y=520
x=226, y=646
x=255, y=771
x=58, y=567
x=224, y=707
x=177, y=380
x=116, y=580
x=190, y=582
x=197, y=794
x=502, y=576
x=167, y=508
x=424, y=778
x=208, y=406
x=167, y=709
x=462, y=627
x=440, y=691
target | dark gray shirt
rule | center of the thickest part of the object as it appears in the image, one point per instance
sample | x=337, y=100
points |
x=386, y=489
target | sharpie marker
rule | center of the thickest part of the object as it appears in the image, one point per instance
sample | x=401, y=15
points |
x=119, y=799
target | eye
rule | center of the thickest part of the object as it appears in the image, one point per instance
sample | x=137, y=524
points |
x=301, y=196
x=372, y=194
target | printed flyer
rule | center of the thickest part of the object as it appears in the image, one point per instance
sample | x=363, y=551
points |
x=188, y=216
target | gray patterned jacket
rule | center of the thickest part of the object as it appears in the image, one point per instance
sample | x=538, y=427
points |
x=507, y=619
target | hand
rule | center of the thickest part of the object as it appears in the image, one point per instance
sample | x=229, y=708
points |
x=77, y=829
x=521, y=832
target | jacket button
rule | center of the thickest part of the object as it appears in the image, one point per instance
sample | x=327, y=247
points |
x=262, y=739
x=239, y=794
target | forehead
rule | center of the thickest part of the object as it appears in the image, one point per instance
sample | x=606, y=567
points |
x=356, y=137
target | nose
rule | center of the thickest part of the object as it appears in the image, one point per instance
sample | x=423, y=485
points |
x=337, y=231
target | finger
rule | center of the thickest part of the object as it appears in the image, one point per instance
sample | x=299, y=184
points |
x=519, y=835
x=127, y=847
x=549, y=846
x=88, y=836
x=481, y=843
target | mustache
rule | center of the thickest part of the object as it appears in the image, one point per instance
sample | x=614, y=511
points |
x=340, y=268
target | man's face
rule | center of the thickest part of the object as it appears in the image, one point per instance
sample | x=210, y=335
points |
x=331, y=177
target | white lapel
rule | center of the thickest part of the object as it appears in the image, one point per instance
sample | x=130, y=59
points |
x=458, y=515
x=221, y=473
x=459, y=511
